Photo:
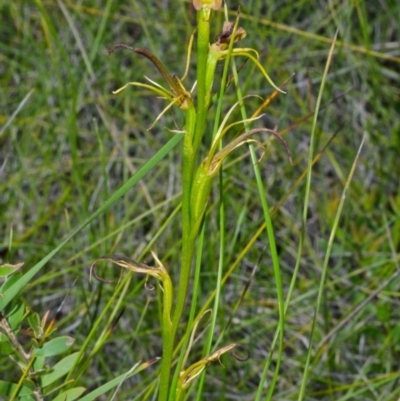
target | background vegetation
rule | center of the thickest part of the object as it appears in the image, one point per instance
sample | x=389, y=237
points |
x=67, y=143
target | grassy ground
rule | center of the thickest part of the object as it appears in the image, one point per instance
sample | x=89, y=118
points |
x=67, y=143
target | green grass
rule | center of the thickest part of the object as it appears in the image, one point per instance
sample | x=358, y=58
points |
x=73, y=144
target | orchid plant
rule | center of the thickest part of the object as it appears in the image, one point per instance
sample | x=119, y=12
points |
x=197, y=176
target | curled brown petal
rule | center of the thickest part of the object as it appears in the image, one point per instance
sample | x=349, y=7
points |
x=239, y=357
x=98, y=278
x=124, y=262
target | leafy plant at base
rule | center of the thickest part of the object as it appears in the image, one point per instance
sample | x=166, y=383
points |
x=37, y=375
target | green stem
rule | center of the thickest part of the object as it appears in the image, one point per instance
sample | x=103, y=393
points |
x=203, y=44
x=22, y=378
x=191, y=223
x=202, y=182
x=168, y=340
x=188, y=247
x=180, y=364
x=212, y=60
x=169, y=328
x=195, y=125
x=187, y=244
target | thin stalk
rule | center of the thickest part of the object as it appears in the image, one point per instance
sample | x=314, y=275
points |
x=307, y=194
x=276, y=265
x=21, y=380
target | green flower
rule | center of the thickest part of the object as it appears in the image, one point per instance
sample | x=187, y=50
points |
x=177, y=92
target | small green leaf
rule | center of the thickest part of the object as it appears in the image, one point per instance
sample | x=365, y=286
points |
x=34, y=323
x=6, y=348
x=39, y=363
x=60, y=369
x=54, y=347
x=16, y=316
x=71, y=394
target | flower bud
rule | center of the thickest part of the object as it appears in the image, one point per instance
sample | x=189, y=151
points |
x=214, y=4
